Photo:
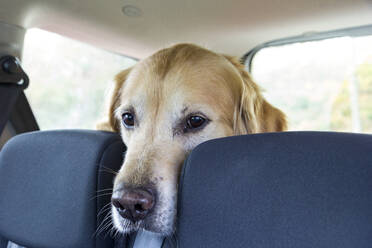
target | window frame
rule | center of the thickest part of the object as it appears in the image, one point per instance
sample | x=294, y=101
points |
x=22, y=118
x=25, y=121
x=365, y=30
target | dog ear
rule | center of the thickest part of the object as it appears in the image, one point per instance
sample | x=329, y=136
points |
x=111, y=123
x=254, y=114
x=271, y=118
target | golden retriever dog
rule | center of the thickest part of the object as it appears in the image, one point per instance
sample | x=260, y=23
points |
x=163, y=107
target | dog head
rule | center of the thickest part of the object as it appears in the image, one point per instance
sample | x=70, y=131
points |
x=165, y=106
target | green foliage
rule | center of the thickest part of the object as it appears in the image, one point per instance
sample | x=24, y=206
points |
x=364, y=73
x=68, y=80
x=341, y=113
x=341, y=109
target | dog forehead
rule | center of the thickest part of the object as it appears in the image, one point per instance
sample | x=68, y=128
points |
x=168, y=80
x=195, y=75
x=176, y=90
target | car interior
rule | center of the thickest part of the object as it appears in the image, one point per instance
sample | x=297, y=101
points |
x=307, y=187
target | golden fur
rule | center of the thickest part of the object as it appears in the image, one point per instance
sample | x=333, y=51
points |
x=162, y=91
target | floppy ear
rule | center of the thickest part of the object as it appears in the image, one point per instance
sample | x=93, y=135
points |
x=271, y=118
x=111, y=123
x=254, y=114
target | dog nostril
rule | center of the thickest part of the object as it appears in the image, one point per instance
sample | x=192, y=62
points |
x=116, y=203
x=134, y=204
x=139, y=208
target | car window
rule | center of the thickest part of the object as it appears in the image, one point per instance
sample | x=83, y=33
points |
x=320, y=85
x=68, y=79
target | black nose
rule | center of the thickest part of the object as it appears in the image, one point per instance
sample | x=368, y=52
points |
x=133, y=204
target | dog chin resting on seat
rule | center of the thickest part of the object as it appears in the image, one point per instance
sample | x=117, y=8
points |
x=163, y=107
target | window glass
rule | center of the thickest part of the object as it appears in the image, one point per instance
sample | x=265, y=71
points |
x=68, y=79
x=321, y=85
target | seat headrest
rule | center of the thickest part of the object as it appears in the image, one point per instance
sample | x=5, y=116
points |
x=50, y=187
x=294, y=189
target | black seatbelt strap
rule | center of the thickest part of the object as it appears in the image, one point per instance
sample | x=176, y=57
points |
x=13, y=80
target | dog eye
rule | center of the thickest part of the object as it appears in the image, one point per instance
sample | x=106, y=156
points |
x=194, y=122
x=128, y=120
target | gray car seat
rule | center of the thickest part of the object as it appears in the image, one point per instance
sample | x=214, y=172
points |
x=295, y=189
x=300, y=189
x=55, y=189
